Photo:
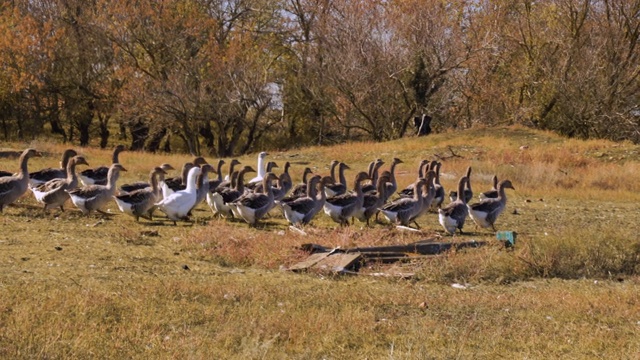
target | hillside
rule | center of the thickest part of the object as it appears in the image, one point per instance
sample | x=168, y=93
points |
x=106, y=286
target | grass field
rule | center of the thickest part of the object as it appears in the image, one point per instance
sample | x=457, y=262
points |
x=108, y=287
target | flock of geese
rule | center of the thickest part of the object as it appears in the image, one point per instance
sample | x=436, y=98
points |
x=373, y=193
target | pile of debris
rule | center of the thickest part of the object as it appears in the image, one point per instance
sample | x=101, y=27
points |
x=349, y=261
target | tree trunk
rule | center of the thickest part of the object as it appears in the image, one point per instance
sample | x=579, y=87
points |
x=104, y=130
x=209, y=140
x=154, y=143
x=139, y=133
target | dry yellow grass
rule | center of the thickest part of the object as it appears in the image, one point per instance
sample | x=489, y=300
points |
x=105, y=287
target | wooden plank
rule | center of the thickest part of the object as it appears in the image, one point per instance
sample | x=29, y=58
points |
x=309, y=262
x=338, y=263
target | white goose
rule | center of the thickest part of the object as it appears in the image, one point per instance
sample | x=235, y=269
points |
x=14, y=186
x=261, y=168
x=53, y=193
x=486, y=212
x=178, y=204
x=94, y=197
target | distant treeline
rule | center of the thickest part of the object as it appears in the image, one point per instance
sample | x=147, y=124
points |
x=225, y=77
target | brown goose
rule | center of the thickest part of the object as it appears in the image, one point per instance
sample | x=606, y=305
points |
x=44, y=175
x=257, y=186
x=254, y=206
x=339, y=186
x=142, y=202
x=302, y=210
x=392, y=185
x=404, y=210
x=284, y=184
x=214, y=183
x=486, y=212
x=202, y=184
x=94, y=197
x=300, y=190
x=53, y=193
x=453, y=215
x=408, y=191
x=172, y=185
x=99, y=175
x=139, y=185
x=14, y=186
x=493, y=193
x=468, y=193
x=374, y=199
x=226, y=183
x=439, y=199
x=220, y=199
x=373, y=175
x=341, y=208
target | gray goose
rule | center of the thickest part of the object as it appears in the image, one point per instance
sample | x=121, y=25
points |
x=439, y=198
x=453, y=215
x=44, y=175
x=14, y=186
x=302, y=210
x=392, y=185
x=174, y=184
x=341, y=208
x=408, y=191
x=300, y=190
x=373, y=176
x=404, y=210
x=339, y=187
x=214, y=183
x=468, y=192
x=226, y=183
x=254, y=206
x=220, y=199
x=99, y=175
x=139, y=185
x=53, y=193
x=493, y=193
x=284, y=183
x=142, y=202
x=373, y=200
x=486, y=212
x=94, y=197
x=257, y=186
x=202, y=183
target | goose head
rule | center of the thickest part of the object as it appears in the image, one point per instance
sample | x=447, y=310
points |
x=506, y=184
x=66, y=156
x=166, y=167
x=199, y=161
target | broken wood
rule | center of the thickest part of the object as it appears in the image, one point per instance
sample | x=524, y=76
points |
x=346, y=261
